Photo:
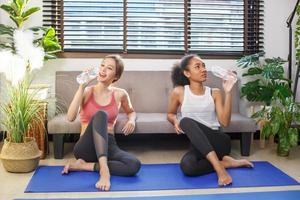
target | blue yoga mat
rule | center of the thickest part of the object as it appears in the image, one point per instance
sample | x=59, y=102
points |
x=280, y=195
x=155, y=177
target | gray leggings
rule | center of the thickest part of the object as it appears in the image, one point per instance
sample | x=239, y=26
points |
x=203, y=140
x=96, y=142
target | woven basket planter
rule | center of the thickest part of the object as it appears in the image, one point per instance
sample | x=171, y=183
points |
x=20, y=157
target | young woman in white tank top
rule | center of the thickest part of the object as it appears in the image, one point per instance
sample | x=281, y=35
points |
x=202, y=113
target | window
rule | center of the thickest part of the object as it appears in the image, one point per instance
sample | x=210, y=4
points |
x=209, y=27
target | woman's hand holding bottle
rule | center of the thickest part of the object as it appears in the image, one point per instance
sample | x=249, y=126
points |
x=87, y=76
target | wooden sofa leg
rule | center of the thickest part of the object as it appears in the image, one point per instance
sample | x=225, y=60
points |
x=245, y=143
x=58, y=146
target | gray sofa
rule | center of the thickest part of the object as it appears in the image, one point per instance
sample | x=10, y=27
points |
x=149, y=92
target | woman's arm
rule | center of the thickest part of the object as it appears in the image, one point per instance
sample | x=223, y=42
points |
x=174, y=103
x=76, y=103
x=224, y=110
x=128, y=109
x=78, y=99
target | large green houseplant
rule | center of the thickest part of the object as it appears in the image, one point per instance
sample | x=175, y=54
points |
x=268, y=86
x=267, y=77
x=22, y=52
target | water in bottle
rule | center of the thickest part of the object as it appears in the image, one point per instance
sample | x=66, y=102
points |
x=86, y=76
x=223, y=73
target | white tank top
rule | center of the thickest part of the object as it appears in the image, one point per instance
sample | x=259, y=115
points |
x=200, y=107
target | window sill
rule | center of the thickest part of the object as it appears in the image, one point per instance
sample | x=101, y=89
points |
x=144, y=55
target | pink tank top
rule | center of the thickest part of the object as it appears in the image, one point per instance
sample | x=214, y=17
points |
x=91, y=107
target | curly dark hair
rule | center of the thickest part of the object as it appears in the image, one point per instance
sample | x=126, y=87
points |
x=177, y=76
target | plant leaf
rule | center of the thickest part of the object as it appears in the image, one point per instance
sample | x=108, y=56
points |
x=293, y=136
x=248, y=61
x=266, y=130
x=8, y=9
x=253, y=71
x=5, y=46
x=6, y=30
x=273, y=71
x=30, y=11
x=50, y=33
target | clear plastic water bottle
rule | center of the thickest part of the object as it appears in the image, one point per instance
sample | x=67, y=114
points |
x=223, y=73
x=86, y=76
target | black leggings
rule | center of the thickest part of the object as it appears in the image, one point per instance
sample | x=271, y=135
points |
x=96, y=142
x=203, y=141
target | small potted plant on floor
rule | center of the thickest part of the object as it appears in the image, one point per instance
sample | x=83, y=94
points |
x=22, y=52
x=281, y=117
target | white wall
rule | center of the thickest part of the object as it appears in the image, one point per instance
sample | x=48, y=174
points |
x=276, y=45
x=277, y=33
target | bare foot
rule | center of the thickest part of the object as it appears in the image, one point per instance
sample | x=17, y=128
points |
x=224, y=178
x=229, y=162
x=104, y=181
x=74, y=166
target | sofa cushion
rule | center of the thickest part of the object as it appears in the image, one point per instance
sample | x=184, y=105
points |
x=60, y=125
x=240, y=123
x=146, y=123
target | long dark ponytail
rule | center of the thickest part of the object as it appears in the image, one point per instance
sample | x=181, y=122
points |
x=177, y=76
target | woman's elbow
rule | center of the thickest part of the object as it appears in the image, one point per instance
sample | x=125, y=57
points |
x=70, y=118
x=225, y=123
x=131, y=113
x=170, y=116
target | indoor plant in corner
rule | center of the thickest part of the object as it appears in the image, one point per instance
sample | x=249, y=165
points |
x=22, y=52
x=280, y=117
x=267, y=77
x=279, y=111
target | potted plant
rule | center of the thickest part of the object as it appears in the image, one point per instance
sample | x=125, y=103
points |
x=22, y=52
x=279, y=120
x=269, y=87
x=267, y=78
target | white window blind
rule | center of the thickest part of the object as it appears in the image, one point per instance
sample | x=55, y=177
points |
x=206, y=27
x=217, y=25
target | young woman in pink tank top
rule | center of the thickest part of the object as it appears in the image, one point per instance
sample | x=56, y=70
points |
x=97, y=150
x=210, y=148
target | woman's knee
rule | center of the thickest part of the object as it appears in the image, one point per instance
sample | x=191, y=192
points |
x=193, y=167
x=99, y=121
x=185, y=122
x=81, y=152
x=134, y=166
x=131, y=166
x=187, y=166
x=100, y=115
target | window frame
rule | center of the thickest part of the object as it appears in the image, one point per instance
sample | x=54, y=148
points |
x=252, y=20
